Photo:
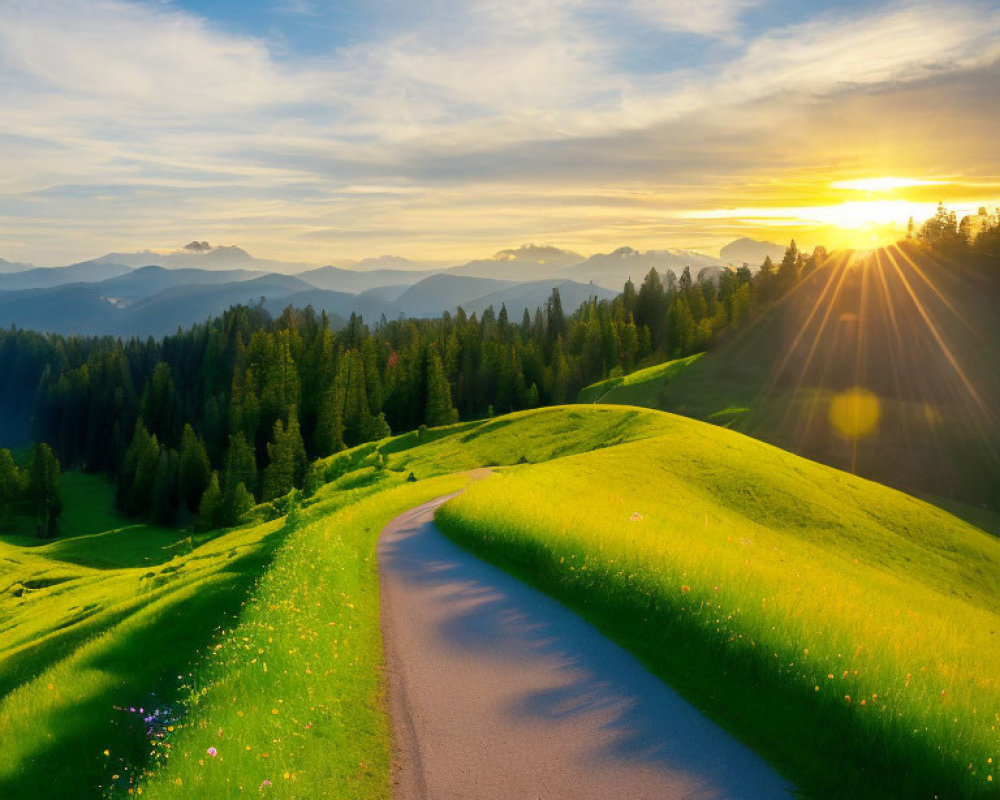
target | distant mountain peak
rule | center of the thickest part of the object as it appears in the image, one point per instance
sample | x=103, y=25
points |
x=540, y=254
x=750, y=251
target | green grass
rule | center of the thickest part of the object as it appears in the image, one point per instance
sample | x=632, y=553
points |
x=113, y=612
x=643, y=387
x=99, y=622
x=291, y=698
x=846, y=630
x=804, y=557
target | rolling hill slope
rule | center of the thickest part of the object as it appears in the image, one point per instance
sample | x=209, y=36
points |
x=884, y=365
x=845, y=629
x=677, y=508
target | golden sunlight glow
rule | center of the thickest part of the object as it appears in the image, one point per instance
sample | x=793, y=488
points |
x=855, y=413
x=883, y=184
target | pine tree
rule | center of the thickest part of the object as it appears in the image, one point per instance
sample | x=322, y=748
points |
x=440, y=410
x=236, y=502
x=160, y=405
x=138, y=473
x=240, y=464
x=10, y=488
x=788, y=270
x=43, y=490
x=279, y=476
x=329, y=437
x=163, y=504
x=210, y=508
x=297, y=448
x=194, y=469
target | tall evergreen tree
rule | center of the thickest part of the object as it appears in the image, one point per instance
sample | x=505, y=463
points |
x=279, y=476
x=240, y=464
x=194, y=469
x=440, y=410
x=210, y=508
x=43, y=490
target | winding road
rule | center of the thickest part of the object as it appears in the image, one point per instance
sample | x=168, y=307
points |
x=497, y=691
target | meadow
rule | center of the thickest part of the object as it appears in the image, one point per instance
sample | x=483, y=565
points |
x=123, y=646
x=845, y=630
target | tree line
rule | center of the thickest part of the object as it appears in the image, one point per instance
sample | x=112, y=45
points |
x=31, y=490
x=203, y=424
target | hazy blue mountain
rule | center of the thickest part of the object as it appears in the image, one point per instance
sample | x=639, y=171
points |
x=45, y=277
x=226, y=257
x=13, y=266
x=97, y=308
x=751, y=251
x=390, y=293
x=183, y=306
x=147, y=281
x=526, y=263
x=533, y=295
x=397, y=263
x=434, y=294
x=338, y=305
x=336, y=279
x=611, y=270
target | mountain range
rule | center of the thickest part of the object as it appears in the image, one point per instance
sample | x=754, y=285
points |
x=148, y=293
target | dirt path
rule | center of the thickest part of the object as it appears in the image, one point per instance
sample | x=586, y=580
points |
x=497, y=691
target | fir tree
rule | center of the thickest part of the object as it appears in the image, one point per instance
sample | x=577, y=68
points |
x=210, y=508
x=43, y=490
x=240, y=464
x=440, y=410
x=279, y=476
x=194, y=469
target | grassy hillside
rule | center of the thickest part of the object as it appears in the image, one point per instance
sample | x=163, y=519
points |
x=919, y=336
x=640, y=388
x=846, y=630
x=131, y=639
x=96, y=626
x=248, y=661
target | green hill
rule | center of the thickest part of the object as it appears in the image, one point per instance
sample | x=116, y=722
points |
x=846, y=630
x=883, y=365
x=140, y=658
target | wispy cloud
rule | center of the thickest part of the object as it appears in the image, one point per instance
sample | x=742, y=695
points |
x=127, y=123
x=705, y=17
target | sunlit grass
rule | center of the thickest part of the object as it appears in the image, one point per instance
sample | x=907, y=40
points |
x=637, y=537
x=643, y=387
x=82, y=649
x=122, y=621
x=289, y=702
x=847, y=630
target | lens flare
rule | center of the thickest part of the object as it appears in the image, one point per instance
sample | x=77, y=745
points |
x=855, y=413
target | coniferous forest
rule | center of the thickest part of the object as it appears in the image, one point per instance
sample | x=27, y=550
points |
x=202, y=424
x=207, y=421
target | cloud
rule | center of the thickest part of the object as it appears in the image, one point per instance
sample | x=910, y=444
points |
x=140, y=121
x=304, y=8
x=705, y=17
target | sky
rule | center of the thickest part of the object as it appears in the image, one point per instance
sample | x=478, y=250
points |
x=449, y=129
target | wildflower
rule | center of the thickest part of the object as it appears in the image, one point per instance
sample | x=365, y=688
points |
x=847, y=698
x=212, y=752
x=107, y=752
x=685, y=589
x=636, y=516
x=265, y=784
